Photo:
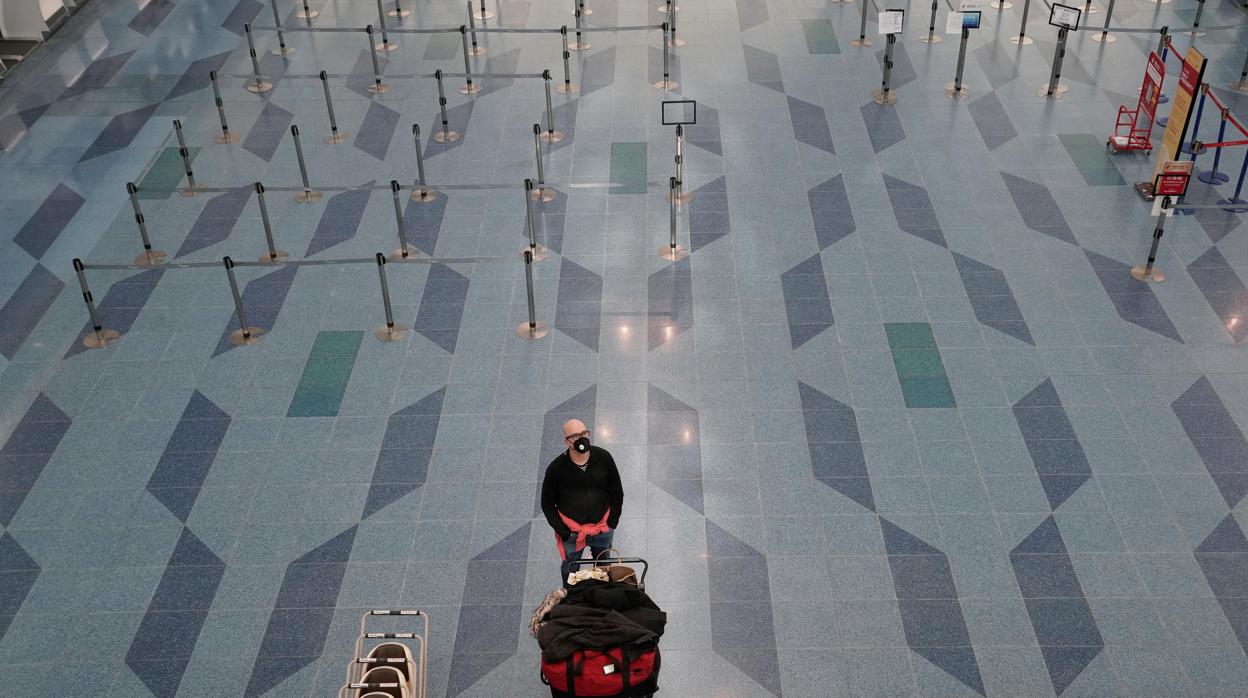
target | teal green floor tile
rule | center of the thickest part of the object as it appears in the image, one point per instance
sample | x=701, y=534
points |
x=820, y=36
x=165, y=174
x=927, y=392
x=325, y=375
x=910, y=335
x=628, y=168
x=1089, y=154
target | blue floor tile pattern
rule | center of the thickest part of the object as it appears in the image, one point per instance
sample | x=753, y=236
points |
x=1093, y=412
x=806, y=300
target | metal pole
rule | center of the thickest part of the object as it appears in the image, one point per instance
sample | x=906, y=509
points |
x=567, y=87
x=226, y=136
x=185, y=153
x=680, y=162
x=1239, y=187
x=259, y=86
x=100, y=336
x=884, y=95
x=472, y=29
x=551, y=135
x=377, y=87
x=1190, y=146
x=150, y=257
x=281, y=49
x=538, y=252
x=245, y=334
x=307, y=13
x=306, y=196
x=385, y=44
x=1213, y=176
x=580, y=5
x=671, y=30
x=391, y=331
x=398, y=11
x=956, y=89
x=419, y=192
x=667, y=83
x=484, y=14
x=468, y=88
x=1148, y=272
x=272, y=254
x=1022, y=39
x=445, y=135
x=1053, y=88
x=531, y=329
x=403, y=250
x=1107, y=38
x=932, y=37
x=334, y=135
x=1200, y=8
x=578, y=45
x=862, y=39
x=542, y=193
x=672, y=251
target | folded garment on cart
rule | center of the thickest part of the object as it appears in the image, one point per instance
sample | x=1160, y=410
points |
x=539, y=613
x=571, y=628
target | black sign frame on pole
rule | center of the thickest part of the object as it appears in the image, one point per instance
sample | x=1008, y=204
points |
x=683, y=112
x=1062, y=25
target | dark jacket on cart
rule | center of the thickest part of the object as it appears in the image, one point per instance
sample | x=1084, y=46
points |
x=600, y=615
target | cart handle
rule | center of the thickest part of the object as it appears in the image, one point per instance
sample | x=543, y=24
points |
x=581, y=562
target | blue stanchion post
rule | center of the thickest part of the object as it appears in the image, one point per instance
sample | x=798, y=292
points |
x=1236, y=202
x=1189, y=145
x=1213, y=176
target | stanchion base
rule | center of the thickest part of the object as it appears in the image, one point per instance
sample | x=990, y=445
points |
x=682, y=198
x=882, y=97
x=423, y=196
x=385, y=46
x=1235, y=205
x=151, y=258
x=539, y=252
x=535, y=331
x=483, y=15
x=1059, y=91
x=1160, y=2
x=308, y=197
x=309, y=14
x=663, y=8
x=1154, y=275
x=1196, y=33
x=477, y=51
x=398, y=256
x=238, y=339
x=1213, y=177
x=336, y=138
x=578, y=46
x=259, y=87
x=666, y=85
x=189, y=190
x=584, y=13
x=931, y=39
x=551, y=136
x=1104, y=38
x=445, y=136
x=1001, y=5
x=227, y=138
x=860, y=42
x=398, y=13
x=959, y=93
x=282, y=51
x=1020, y=40
x=470, y=89
x=379, y=89
x=1239, y=86
x=567, y=89
x=277, y=256
x=100, y=339
x=391, y=334
x=673, y=254
x=676, y=43
x=543, y=195
x=1092, y=10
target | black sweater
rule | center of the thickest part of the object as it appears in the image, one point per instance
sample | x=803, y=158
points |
x=582, y=495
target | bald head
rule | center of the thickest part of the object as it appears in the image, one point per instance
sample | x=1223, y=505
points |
x=573, y=427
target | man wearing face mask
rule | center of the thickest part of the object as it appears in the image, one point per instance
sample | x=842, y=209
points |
x=581, y=496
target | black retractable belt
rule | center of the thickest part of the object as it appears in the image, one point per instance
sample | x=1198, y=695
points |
x=571, y=671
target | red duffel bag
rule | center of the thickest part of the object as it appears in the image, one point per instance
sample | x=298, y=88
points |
x=611, y=673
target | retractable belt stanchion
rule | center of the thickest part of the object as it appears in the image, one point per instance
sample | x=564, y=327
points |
x=1200, y=8
x=150, y=257
x=533, y=329
x=307, y=12
x=542, y=193
x=445, y=135
x=226, y=136
x=259, y=85
x=567, y=87
x=673, y=41
x=99, y=336
x=666, y=83
x=1241, y=85
x=1192, y=146
x=1054, y=88
x=551, y=135
x=1104, y=36
x=537, y=251
x=1148, y=271
x=956, y=89
x=1089, y=8
x=385, y=44
x=1236, y=204
x=679, y=192
x=419, y=193
x=932, y=37
x=378, y=87
x=398, y=11
x=671, y=251
x=391, y=331
x=403, y=251
x=862, y=39
x=245, y=334
x=579, y=44
x=885, y=95
x=307, y=196
x=669, y=7
x=1002, y=5
x=1213, y=176
x=468, y=88
x=580, y=5
x=185, y=154
x=282, y=49
x=484, y=14
x=1022, y=39
x=472, y=29
x=335, y=136
x=271, y=253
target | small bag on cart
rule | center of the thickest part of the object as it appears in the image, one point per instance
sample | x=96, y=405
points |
x=612, y=673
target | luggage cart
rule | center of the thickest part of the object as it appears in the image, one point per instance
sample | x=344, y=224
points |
x=1129, y=134
x=389, y=669
x=609, y=561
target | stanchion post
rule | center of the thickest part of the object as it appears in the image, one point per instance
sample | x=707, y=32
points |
x=671, y=31
x=862, y=39
x=1054, y=88
x=398, y=11
x=542, y=193
x=403, y=251
x=271, y=253
x=666, y=84
x=99, y=336
x=580, y=5
x=538, y=252
x=1191, y=146
x=1148, y=271
x=419, y=192
x=307, y=196
x=1236, y=203
x=245, y=334
x=484, y=14
x=551, y=135
x=1022, y=39
x=307, y=13
x=445, y=135
x=533, y=329
x=282, y=49
x=260, y=85
x=567, y=87
x=672, y=251
x=1213, y=176
x=469, y=88
x=932, y=37
x=885, y=95
x=226, y=136
x=185, y=154
x=391, y=331
x=335, y=136
x=1200, y=8
x=579, y=44
x=1104, y=36
x=385, y=44
x=472, y=29
x=150, y=257
x=956, y=89
x=378, y=87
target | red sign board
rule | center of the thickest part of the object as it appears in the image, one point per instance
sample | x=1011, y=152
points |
x=1189, y=77
x=1173, y=178
x=1150, y=92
